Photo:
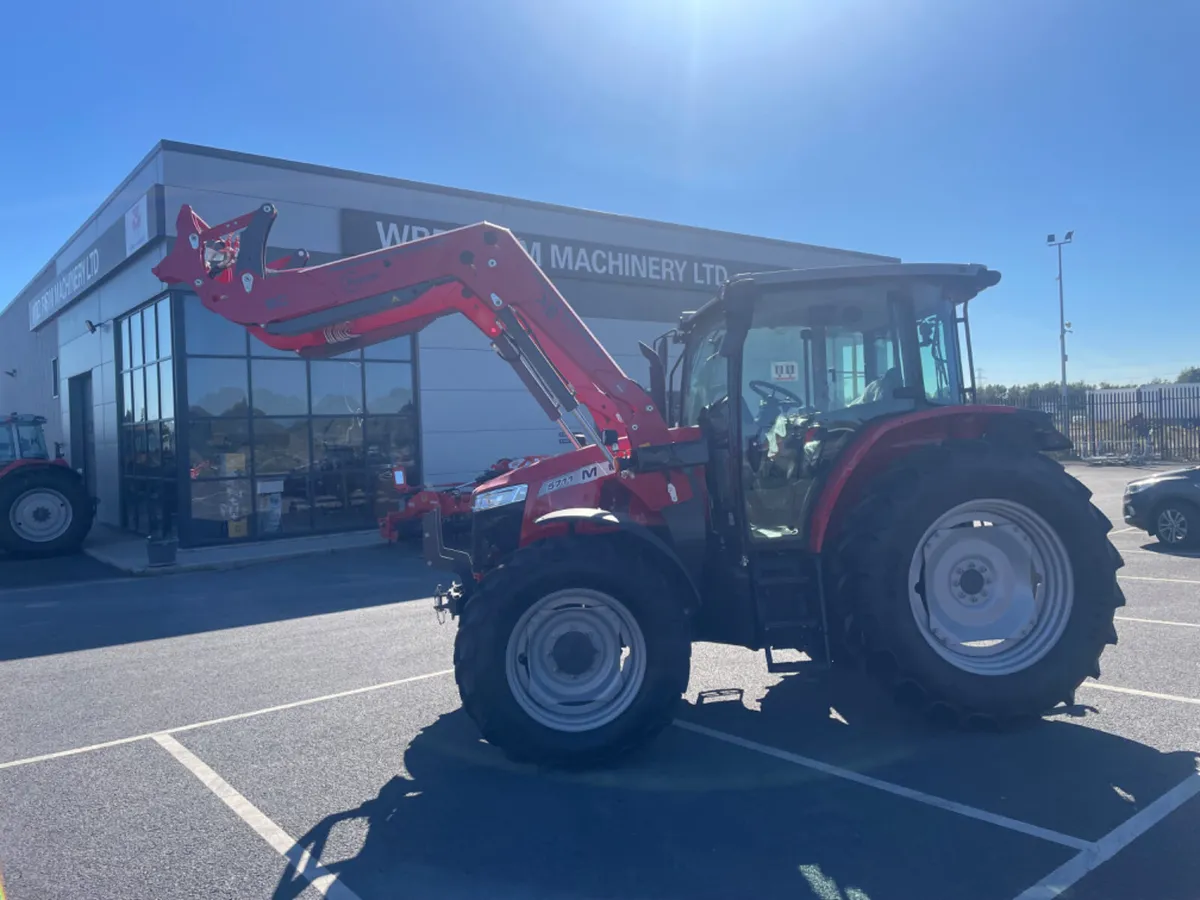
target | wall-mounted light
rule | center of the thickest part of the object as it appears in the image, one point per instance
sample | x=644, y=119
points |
x=90, y=325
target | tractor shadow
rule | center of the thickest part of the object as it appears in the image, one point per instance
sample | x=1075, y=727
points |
x=112, y=611
x=17, y=571
x=692, y=816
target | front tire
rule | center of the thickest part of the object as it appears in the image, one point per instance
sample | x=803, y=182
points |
x=574, y=653
x=979, y=581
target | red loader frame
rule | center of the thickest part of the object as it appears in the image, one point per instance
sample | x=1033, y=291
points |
x=482, y=272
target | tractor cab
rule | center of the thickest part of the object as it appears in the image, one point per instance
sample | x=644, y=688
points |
x=782, y=368
x=783, y=371
x=22, y=437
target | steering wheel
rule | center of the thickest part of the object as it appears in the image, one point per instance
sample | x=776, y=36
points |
x=769, y=391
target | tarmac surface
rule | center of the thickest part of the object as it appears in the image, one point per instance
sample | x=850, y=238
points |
x=292, y=729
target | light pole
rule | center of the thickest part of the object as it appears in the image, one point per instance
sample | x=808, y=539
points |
x=1063, y=324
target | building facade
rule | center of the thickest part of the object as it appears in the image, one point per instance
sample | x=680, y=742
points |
x=186, y=426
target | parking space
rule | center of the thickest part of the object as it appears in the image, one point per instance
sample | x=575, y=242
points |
x=292, y=730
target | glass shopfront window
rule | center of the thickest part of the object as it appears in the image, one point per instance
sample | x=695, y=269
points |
x=147, y=415
x=277, y=445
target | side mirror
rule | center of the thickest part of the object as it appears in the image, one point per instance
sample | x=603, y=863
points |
x=658, y=376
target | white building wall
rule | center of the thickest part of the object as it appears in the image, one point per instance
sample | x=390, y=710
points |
x=26, y=370
x=82, y=351
x=474, y=408
x=287, y=186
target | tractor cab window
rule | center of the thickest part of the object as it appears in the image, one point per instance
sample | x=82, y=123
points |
x=32, y=442
x=800, y=360
x=936, y=360
x=707, y=374
x=8, y=446
x=825, y=355
x=806, y=358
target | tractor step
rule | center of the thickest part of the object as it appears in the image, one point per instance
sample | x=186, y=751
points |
x=782, y=666
x=790, y=606
x=805, y=636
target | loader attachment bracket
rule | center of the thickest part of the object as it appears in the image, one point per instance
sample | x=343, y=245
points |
x=437, y=554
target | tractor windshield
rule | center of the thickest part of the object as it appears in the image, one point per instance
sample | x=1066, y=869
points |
x=31, y=441
x=819, y=353
x=8, y=442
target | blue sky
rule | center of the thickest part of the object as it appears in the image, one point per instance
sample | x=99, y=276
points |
x=935, y=130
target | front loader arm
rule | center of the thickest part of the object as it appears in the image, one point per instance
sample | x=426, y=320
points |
x=480, y=271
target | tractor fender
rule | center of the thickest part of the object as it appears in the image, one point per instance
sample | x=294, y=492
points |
x=630, y=526
x=883, y=441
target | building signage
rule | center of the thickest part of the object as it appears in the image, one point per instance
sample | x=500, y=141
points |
x=71, y=281
x=363, y=231
x=55, y=291
x=137, y=226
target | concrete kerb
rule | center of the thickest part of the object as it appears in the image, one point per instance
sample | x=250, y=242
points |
x=129, y=554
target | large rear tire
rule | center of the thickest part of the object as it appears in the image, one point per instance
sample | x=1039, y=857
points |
x=44, y=511
x=978, y=581
x=574, y=653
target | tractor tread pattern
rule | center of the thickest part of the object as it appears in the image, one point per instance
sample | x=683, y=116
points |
x=606, y=562
x=862, y=542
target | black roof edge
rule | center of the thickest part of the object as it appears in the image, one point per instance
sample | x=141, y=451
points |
x=982, y=276
x=112, y=195
x=316, y=169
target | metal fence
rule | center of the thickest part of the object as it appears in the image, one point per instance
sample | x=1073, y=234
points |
x=1152, y=424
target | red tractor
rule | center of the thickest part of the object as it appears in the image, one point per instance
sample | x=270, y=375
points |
x=453, y=501
x=825, y=482
x=45, y=509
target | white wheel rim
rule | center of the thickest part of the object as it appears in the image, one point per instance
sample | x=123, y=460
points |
x=40, y=515
x=991, y=587
x=1172, y=526
x=566, y=662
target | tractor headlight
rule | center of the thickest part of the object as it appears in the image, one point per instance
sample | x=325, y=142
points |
x=500, y=497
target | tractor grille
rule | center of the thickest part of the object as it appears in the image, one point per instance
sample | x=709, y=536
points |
x=495, y=533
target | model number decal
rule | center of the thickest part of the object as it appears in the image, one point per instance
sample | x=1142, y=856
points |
x=579, y=476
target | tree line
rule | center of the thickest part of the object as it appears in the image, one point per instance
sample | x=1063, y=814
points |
x=1019, y=394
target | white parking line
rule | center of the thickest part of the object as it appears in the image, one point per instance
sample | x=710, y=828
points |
x=928, y=799
x=298, y=858
x=233, y=718
x=1139, y=693
x=1165, y=580
x=1157, y=622
x=1095, y=855
x=1176, y=554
